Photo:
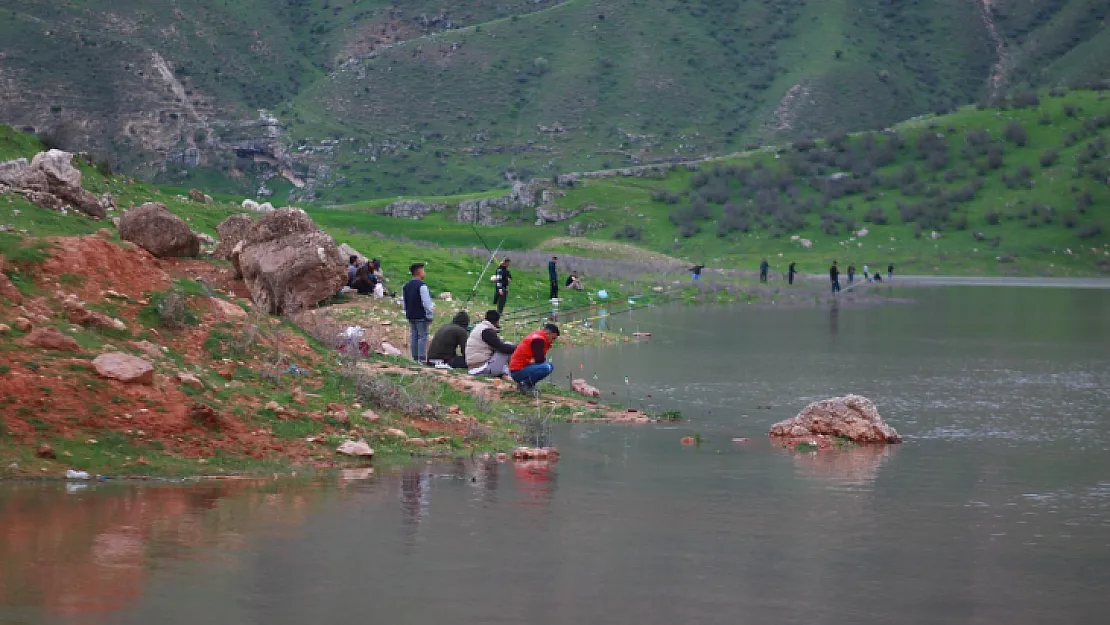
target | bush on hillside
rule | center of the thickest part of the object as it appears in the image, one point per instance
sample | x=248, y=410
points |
x=876, y=216
x=993, y=217
x=1048, y=158
x=1025, y=99
x=1089, y=231
x=1015, y=133
x=630, y=233
x=994, y=156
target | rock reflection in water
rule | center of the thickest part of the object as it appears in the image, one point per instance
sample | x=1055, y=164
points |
x=853, y=465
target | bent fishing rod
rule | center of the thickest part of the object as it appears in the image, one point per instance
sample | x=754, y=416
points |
x=481, y=276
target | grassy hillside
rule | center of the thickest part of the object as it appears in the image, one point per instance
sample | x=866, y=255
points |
x=1008, y=190
x=446, y=96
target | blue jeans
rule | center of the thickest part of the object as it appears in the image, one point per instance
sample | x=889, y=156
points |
x=418, y=339
x=696, y=278
x=533, y=373
x=836, y=286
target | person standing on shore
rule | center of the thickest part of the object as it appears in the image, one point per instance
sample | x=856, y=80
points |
x=851, y=273
x=834, y=277
x=890, y=272
x=501, y=281
x=763, y=268
x=419, y=310
x=553, y=275
x=696, y=270
x=790, y=273
x=866, y=273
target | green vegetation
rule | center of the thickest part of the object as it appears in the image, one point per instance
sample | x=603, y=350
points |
x=444, y=97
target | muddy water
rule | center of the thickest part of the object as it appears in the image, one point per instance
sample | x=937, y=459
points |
x=996, y=509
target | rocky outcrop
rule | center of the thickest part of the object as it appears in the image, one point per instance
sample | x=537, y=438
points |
x=483, y=212
x=853, y=417
x=158, y=231
x=550, y=213
x=264, y=207
x=124, y=367
x=289, y=264
x=410, y=209
x=231, y=231
x=51, y=181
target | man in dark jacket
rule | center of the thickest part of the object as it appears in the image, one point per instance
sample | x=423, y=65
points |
x=764, y=267
x=553, y=275
x=419, y=310
x=834, y=277
x=501, y=281
x=486, y=353
x=449, y=343
x=792, y=272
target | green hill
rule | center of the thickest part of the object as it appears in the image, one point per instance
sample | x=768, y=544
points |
x=374, y=98
x=1021, y=190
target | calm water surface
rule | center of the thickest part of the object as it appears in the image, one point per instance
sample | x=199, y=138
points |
x=995, y=510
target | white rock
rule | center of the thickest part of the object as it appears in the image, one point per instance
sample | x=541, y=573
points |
x=355, y=448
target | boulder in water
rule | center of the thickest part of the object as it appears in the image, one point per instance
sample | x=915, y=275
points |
x=853, y=417
x=158, y=231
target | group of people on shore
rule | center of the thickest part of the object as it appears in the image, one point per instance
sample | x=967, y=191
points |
x=478, y=349
x=503, y=279
x=792, y=272
x=366, y=277
x=834, y=275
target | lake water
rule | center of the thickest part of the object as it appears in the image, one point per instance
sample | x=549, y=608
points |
x=995, y=510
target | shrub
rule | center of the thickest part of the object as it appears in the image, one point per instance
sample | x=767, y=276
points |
x=1071, y=220
x=1069, y=110
x=994, y=156
x=876, y=216
x=631, y=233
x=1025, y=99
x=1048, y=158
x=1015, y=133
x=1089, y=231
x=804, y=145
x=993, y=217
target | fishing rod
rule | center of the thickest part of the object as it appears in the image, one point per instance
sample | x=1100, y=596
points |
x=481, y=276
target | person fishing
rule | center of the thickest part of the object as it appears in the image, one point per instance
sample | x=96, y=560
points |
x=851, y=273
x=529, y=364
x=449, y=343
x=791, y=272
x=486, y=353
x=501, y=281
x=890, y=271
x=364, y=281
x=419, y=310
x=764, y=267
x=696, y=271
x=553, y=275
x=866, y=273
x=834, y=277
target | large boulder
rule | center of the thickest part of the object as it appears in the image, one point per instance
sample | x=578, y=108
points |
x=124, y=367
x=289, y=264
x=853, y=417
x=158, y=231
x=49, y=338
x=51, y=181
x=231, y=231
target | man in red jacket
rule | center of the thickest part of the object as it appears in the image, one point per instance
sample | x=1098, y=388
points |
x=529, y=363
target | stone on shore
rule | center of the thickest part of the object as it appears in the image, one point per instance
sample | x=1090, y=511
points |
x=355, y=448
x=852, y=417
x=584, y=389
x=124, y=367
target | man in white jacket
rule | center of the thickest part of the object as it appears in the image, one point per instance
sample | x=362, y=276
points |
x=486, y=353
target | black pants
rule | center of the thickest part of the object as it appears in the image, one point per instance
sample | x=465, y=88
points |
x=791, y=277
x=499, y=299
x=762, y=277
x=554, y=288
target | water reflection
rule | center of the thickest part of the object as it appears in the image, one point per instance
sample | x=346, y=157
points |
x=855, y=467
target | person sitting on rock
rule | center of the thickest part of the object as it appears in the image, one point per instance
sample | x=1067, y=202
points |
x=486, y=353
x=574, y=283
x=449, y=343
x=529, y=363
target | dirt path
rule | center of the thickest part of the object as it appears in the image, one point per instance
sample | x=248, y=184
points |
x=1001, y=67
